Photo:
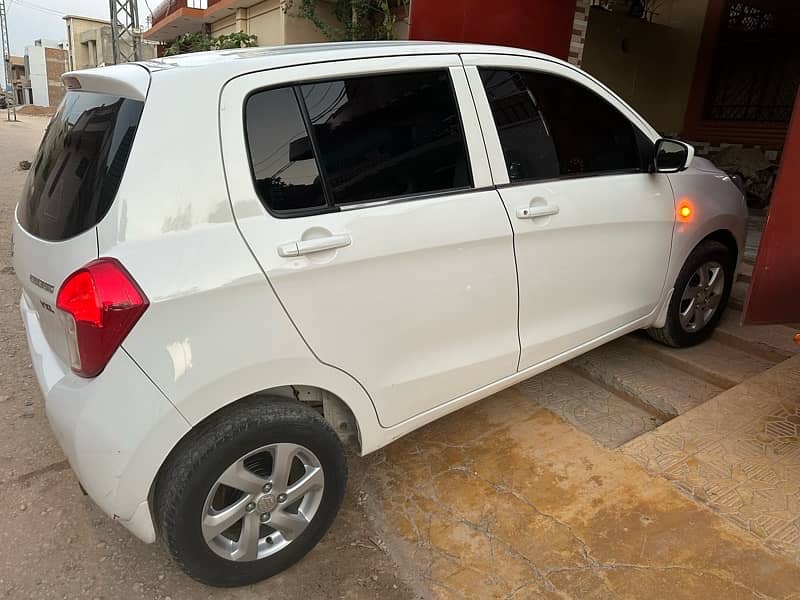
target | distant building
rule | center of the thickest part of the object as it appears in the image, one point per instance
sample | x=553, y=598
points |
x=19, y=82
x=45, y=63
x=90, y=43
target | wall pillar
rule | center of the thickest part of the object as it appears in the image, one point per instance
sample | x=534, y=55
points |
x=774, y=293
x=242, y=22
x=579, y=26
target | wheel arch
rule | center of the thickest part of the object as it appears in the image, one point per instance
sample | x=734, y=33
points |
x=333, y=409
x=719, y=233
x=724, y=237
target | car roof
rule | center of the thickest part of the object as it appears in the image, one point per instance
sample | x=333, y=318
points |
x=243, y=60
x=217, y=67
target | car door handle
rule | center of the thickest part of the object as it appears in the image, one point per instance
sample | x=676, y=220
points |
x=531, y=212
x=302, y=247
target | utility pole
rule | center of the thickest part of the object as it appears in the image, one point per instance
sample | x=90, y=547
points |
x=125, y=30
x=11, y=101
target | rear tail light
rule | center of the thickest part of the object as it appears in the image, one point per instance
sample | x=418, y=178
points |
x=100, y=304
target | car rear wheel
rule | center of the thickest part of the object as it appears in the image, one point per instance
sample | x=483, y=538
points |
x=701, y=294
x=250, y=491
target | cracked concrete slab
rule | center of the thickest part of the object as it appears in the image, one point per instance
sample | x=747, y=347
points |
x=504, y=499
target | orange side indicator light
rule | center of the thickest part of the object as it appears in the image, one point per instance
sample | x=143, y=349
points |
x=685, y=211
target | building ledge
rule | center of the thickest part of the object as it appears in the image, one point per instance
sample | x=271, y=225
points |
x=183, y=20
x=188, y=20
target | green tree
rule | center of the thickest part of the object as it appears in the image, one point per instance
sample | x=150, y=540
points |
x=199, y=42
x=357, y=19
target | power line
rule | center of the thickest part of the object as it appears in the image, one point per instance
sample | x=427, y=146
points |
x=38, y=7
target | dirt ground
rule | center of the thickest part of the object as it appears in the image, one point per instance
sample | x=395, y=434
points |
x=29, y=110
x=57, y=544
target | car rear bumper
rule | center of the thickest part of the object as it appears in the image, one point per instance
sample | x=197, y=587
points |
x=115, y=429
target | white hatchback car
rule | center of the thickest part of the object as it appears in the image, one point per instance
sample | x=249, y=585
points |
x=233, y=261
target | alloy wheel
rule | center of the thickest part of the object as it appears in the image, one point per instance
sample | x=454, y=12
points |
x=262, y=502
x=702, y=296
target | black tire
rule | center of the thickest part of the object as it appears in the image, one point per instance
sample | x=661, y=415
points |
x=191, y=470
x=673, y=334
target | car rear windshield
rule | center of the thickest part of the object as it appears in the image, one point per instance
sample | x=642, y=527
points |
x=80, y=163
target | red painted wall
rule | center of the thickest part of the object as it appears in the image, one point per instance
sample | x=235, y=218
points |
x=774, y=295
x=543, y=25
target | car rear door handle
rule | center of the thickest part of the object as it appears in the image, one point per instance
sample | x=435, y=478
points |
x=531, y=212
x=302, y=247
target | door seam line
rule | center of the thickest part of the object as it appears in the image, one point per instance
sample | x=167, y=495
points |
x=502, y=203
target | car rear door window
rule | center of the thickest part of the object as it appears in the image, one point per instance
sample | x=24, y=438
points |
x=317, y=146
x=387, y=136
x=78, y=168
x=281, y=158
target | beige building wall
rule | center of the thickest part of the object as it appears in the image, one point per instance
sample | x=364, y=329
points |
x=272, y=25
x=266, y=21
x=651, y=65
x=298, y=30
x=224, y=26
x=78, y=53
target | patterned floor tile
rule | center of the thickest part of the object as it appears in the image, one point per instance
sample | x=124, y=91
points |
x=739, y=453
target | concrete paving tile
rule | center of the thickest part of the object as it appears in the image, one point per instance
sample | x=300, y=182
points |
x=712, y=361
x=787, y=540
x=771, y=342
x=738, y=295
x=636, y=583
x=585, y=584
x=608, y=418
x=748, y=469
x=701, y=475
x=624, y=369
x=745, y=272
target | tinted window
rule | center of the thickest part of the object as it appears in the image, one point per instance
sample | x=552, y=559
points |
x=388, y=135
x=590, y=135
x=281, y=156
x=527, y=146
x=80, y=163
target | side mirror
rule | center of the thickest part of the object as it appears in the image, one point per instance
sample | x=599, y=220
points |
x=671, y=156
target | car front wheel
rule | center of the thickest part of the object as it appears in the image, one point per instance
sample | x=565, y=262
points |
x=701, y=294
x=250, y=491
